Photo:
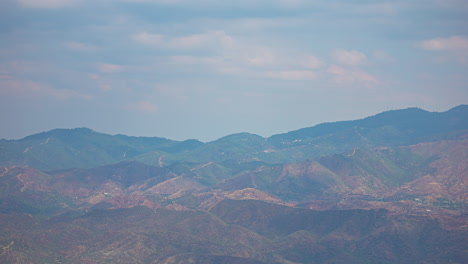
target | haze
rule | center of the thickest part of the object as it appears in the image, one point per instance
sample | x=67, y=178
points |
x=203, y=69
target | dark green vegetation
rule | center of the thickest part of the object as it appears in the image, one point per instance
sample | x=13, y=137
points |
x=390, y=188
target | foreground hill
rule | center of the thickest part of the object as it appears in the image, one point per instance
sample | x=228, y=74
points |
x=84, y=148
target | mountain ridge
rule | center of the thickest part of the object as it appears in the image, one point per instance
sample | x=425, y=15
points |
x=456, y=109
x=85, y=148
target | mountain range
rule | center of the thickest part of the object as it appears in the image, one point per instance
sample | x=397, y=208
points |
x=85, y=148
x=389, y=188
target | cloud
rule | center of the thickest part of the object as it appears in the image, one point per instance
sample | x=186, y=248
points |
x=268, y=65
x=173, y=92
x=166, y=2
x=207, y=40
x=351, y=57
x=149, y=39
x=78, y=46
x=143, y=106
x=109, y=68
x=237, y=56
x=26, y=88
x=267, y=57
x=188, y=60
x=22, y=67
x=102, y=83
x=223, y=51
x=210, y=38
x=236, y=3
x=453, y=4
x=455, y=43
x=387, y=8
x=256, y=24
x=259, y=57
x=341, y=75
x=291, y=3
x=47, y=3
x=383, y=56
x=312, y=62
x=292, y=75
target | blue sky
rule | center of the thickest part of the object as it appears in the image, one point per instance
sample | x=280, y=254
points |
x=204, y=69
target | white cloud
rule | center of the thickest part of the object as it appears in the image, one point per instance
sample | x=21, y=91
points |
x=172, y=92
x=143, y=106
x=168, y=2
x=149, y=39
x=344, y=76
x=101, y=82
x=292, y=75
x=453, y=4
x=312, y=62
x=243, y=3
x=387, y=8
x=78, y=46
x=456, y=46
x=256, y=24
x=207, y=40
x=259, y=57
x=351, y=57
x=235, y=56
x=269, y=65
x=383, y=56
x=47, y=3
x=26, y=88
x=215, y=38
x=187, y=60
x=109, y=68
x=455, y=43
x=291, y=3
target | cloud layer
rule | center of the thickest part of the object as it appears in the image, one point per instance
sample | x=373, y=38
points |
x=206, y=68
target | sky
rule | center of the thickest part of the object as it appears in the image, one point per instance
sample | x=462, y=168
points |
x=204, y=69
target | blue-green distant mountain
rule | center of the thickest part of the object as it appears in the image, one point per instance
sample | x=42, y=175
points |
x=396, y=127
x=388, y=129
x=84, y=148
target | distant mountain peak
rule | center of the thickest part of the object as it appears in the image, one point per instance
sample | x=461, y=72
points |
x=460, y=108
x=61, y=131
x=240, y=136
